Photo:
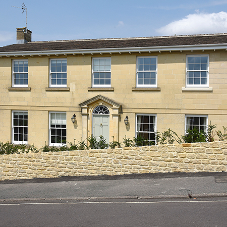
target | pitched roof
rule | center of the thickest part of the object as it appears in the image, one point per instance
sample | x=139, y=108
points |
x=95, y=44
x=167, y=43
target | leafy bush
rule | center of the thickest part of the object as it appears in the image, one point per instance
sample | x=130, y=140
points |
x=194, y=136
x=140, y=141
x=222, y=136
x=114, y=144
x=9, y=148
x=168, y=137
x=127, y=142
x=97, y=144
x=210, y=132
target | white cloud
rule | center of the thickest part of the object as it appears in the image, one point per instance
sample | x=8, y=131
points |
x=198, y=23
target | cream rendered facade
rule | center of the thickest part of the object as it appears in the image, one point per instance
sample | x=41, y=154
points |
x=170, y=101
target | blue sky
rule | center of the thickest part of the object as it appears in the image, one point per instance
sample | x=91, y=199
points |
x=85, y=19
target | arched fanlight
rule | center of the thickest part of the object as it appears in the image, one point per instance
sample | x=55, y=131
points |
x=101, y=110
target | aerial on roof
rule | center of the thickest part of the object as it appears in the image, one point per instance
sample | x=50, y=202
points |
x=123, y=43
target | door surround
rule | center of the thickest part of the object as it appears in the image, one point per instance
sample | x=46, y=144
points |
x=87, y=108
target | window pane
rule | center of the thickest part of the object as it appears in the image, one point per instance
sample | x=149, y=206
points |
x=53, y=66
x=140, y=68
x=101, y=71
x=197, y=59
x=57, y=77
x=204, y=60
x=140, y=61
x=108, y=81
x=140, y=81
x=64, y=66
x=191, y=60
x=145, y=127
x=58, y=127
x=20, y=126
x=146, y=70
x=198, y=68
x=196, y=122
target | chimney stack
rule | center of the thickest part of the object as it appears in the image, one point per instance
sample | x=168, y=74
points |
x=23, y=35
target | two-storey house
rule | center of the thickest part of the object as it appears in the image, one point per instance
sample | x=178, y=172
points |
x=61, y=91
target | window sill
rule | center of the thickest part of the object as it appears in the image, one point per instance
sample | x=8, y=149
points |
x=57, y=89
x=100, y=89
x=197, y=89
x=19, y=89
x=146, y=89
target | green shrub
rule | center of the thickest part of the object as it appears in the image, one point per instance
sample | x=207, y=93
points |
x=167, y=137
x=140, y=141
x=222, y=136
x=210, y=132
x=9, y=148
x=194, y=136
x=127, y=142
x=97, y=144
x=114, y=144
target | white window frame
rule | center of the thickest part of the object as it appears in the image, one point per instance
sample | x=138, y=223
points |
x=187, y=72
x=155, y=125
x=194, y=115
x=13, y=73
x=100, y=85
x=154, y=71
x=57, y=144
x=50, y=73
x=15, y=126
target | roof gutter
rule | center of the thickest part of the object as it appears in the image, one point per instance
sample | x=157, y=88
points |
x=181, y=48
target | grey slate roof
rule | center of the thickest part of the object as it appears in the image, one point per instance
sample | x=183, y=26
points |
x=118, y=43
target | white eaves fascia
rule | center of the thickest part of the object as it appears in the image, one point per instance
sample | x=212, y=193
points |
x=117, y=50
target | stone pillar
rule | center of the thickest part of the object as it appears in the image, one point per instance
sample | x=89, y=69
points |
x=115, y=125
x=84, y=112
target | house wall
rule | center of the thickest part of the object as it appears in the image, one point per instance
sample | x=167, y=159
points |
x=170, y=104
x=198, y=157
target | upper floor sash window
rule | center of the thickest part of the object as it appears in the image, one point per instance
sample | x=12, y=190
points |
x=20, y=73
x=58, y=73
x=197, y=71
x=101, y=72
x=146, y=72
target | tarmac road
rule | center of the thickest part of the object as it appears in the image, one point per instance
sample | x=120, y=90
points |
x=179, y=199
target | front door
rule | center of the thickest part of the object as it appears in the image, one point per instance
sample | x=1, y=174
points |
x=100, y=123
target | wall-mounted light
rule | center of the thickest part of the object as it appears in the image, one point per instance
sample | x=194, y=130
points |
x=73, y=118
x=126, y=120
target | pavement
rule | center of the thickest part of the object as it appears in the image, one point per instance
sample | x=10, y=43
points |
x=134, y=186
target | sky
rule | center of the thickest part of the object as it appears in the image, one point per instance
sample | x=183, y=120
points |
x=93, y=19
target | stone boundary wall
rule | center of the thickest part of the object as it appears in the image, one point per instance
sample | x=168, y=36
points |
x=197, y=157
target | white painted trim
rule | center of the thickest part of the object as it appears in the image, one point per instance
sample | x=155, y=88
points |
x=205, y=89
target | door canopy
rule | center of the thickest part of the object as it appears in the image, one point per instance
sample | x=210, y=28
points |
x=100, y=98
